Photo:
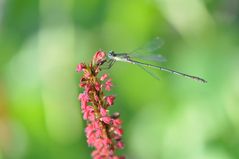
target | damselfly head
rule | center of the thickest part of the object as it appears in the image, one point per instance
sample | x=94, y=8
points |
x=111, y=54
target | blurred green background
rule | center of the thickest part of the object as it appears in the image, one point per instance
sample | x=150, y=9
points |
x=42, y=41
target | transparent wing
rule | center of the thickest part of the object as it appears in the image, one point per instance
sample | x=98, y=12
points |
x=149, y=47
x=149, y=72
x=150, y=57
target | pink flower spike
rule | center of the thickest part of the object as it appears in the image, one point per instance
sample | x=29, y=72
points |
x=108, y=84
x=103, y=77
x=103, y=130
x=110, y=100
x=80, y=67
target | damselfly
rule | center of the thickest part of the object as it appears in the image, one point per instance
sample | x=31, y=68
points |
x=152, y=46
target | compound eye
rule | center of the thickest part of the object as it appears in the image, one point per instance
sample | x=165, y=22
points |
x=111, y=53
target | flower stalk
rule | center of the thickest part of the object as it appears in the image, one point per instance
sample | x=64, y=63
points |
x=103, y=131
